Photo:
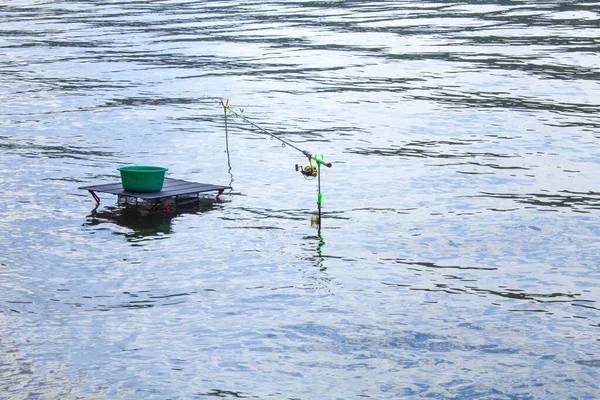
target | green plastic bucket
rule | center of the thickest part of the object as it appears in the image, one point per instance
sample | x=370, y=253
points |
x=142, y=178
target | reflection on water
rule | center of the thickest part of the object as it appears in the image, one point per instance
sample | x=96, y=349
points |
x=145, y=219
x=139, y=222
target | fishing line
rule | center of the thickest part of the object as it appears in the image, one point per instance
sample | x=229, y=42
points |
x=225, y=106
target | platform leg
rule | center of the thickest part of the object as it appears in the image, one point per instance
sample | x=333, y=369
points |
x=166, y=208
x=95, y=196
x=159, y=201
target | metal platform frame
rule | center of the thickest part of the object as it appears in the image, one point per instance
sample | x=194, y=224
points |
x=171, y=188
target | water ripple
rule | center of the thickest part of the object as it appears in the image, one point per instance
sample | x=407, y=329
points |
x=458, y=256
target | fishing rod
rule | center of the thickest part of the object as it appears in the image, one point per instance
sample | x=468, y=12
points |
x=226, y=109
x=309, y=172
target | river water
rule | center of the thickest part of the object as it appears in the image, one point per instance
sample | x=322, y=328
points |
x=459, y=256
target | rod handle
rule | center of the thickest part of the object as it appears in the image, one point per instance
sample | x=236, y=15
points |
x=307, y=154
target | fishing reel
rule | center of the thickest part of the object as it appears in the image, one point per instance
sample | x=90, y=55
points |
x=309, y=171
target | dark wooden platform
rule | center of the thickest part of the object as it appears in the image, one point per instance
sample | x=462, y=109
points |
x=171, y=188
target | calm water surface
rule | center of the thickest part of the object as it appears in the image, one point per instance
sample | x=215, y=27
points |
x=459, y=256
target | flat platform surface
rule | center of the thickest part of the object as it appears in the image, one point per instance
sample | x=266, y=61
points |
x=171, y=187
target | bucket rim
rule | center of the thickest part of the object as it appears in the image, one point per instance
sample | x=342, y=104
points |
x=142, y=168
